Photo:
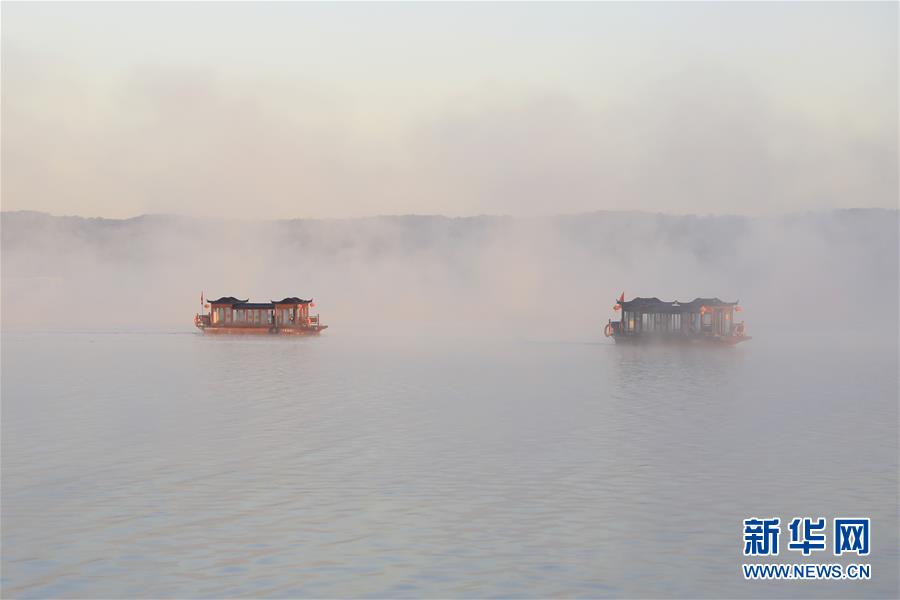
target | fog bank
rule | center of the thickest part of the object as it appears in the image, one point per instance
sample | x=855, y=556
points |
x=537, y=278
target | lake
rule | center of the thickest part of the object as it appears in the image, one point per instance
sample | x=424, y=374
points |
x=178, y=465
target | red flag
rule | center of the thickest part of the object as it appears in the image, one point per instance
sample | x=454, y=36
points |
x=622, y=297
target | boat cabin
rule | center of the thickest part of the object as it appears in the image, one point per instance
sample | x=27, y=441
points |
x=700, y=319
x=233, y=315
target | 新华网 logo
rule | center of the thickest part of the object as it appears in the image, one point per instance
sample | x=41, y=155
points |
x=807, y=535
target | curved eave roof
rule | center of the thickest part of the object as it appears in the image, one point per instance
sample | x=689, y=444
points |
x=291, y=300
x=245, y=303
x=228, y=300
x=657, y=305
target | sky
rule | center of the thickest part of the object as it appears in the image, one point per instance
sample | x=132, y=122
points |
x=308, y=110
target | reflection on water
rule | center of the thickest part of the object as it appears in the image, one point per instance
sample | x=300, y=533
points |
x=139, y=465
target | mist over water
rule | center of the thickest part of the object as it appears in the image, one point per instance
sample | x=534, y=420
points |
x=551, y=277
x=463, y=429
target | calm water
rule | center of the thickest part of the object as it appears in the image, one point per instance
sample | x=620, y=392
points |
x=164, y=465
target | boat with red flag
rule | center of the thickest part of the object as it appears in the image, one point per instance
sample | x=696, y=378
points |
x=701, y=320
x=230, y=315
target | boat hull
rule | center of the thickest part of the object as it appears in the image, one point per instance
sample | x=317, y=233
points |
x=299, y=331
x=730, y=340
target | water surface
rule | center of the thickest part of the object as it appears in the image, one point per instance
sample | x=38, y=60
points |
x=173, y=465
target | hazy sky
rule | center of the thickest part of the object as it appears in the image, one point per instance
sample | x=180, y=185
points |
x=337, y=110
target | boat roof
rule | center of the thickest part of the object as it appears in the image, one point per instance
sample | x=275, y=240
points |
x=227, y=300
x=655, y=305
x=291, y=300
x=238, y=303
x=253, y=305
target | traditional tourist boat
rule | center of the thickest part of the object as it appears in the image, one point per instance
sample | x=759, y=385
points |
x=702, y=320
x=289, y=316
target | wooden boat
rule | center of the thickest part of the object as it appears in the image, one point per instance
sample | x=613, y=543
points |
x=702, y=320
x=230, y=315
